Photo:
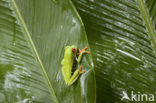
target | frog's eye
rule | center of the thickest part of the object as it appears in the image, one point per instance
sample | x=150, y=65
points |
x=73, y=50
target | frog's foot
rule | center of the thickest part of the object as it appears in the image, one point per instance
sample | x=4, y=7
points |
x=83, y=51
x=80, y=70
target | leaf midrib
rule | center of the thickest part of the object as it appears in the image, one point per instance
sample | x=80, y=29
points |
x=25, y=29
x=148, y=23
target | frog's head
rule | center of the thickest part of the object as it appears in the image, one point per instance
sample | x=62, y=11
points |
x=74, y=49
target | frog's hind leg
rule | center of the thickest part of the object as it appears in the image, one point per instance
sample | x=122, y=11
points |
x=80, y=70
x=75, y=75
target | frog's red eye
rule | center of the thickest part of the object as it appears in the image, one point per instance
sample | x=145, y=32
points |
x=73, y=50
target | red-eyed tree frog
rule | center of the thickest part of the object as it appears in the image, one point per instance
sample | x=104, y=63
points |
x=72, y=54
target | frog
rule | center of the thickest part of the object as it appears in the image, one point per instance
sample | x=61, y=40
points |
x=72, y=54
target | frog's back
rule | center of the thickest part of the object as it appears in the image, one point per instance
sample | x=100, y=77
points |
x=67, y=62
x=68, y=57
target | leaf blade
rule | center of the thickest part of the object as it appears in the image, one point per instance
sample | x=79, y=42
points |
x=122, y=53
x=15, y=61
x=13, y=3
x=52, y=26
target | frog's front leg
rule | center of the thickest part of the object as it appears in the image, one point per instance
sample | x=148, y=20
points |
x=81, y=52
x=76, y=75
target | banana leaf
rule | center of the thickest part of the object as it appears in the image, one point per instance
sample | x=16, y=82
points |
x=122, y=37
x=33, y=35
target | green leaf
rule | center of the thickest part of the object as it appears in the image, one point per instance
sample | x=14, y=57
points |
x=33, y=36
x=122, y=37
